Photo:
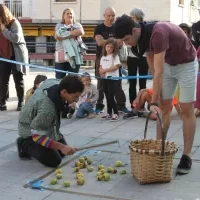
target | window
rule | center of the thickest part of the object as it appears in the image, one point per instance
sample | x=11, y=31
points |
x=181, y=2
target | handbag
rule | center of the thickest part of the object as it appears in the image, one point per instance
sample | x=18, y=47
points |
x=61, y=56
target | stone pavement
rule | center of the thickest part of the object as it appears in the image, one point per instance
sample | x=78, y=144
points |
x=15, y=173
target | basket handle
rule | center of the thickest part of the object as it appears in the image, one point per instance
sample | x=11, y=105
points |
x=162, y=129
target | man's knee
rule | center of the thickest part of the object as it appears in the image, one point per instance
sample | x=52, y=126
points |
x=165, y=106
x=187, y=109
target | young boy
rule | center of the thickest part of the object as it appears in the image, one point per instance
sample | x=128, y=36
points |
x=88, y=98
x=145, y=95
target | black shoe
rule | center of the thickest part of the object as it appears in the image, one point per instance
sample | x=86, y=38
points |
x=131, y=115
x=19, y=106
x=184, y=165
x=3, y=108
x=23, y=155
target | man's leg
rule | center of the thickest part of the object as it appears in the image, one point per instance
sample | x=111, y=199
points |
x=80, y=112
x=46, y=156
x=187, y=77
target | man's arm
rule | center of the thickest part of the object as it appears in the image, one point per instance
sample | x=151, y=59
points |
x=158, y=75
x=150, y=61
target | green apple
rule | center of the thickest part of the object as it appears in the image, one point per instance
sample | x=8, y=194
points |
x=118, y=163
x=82, y=160
x=123, y=171
x=80, y=181
x=67, y=183
x=58, y=171
x=100, y=167
x=79, y=174
x=102, y=171
x=85, y=157
x=54, y=181
x=100, y=178
x=89, y=162
x=59, y=176
x=90, y=169
x=106, y=177
x=76, y=169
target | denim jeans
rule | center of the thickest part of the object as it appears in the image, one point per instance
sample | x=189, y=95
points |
x=84, y=109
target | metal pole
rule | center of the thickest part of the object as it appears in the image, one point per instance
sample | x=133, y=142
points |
x=80, y=10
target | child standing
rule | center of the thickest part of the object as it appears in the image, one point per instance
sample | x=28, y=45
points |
x=109, y=68
x=88, y=99
x=38, y=80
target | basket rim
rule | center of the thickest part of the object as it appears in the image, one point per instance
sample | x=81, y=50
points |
x=156, y=152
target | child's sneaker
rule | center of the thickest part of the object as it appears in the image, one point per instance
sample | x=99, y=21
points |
x=115, y=118
x=107, y=117
x=91, y=116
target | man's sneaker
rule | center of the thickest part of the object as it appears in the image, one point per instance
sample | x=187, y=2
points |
x=131, y=115
x=23, y=155
x=114, y=118
x=123, y=110
x=184, y=165
x=107, y=117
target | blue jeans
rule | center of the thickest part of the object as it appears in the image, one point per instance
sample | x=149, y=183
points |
x=85, y=109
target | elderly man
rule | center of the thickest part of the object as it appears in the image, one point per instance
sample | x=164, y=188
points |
x=136, y=64
x=103, y=32
x=172, y=59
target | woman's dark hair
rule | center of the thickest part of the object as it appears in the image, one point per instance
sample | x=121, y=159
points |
x=112, y=41
x=123, y=26
x=38, y=79
x=72, y=84
x=5, y=15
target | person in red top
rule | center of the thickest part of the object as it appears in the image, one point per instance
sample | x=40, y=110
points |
x=172, y=60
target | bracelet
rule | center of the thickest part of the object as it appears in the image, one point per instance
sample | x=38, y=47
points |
x=153, y=104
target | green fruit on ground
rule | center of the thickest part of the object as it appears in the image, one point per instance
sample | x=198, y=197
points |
x=100, y=167
x=80, y=181
x=54, y=181
x=90, y=169
x=110, y=170
x=67, y=183
x=99, y=173
x=59, y=176
x=118, y=163
x=82, y=160
x=85, y=157
x=102, y=171
x=77, y=163
x=58, y=171
x=100, y=178
x=82, y=165
x=79, y=174
x=123, y=171
x=89, y=162
x=106, y=177
x=76, y=169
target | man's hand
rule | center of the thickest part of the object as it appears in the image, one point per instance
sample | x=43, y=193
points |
x=155, y=109
x=99, y=40
x=67, y=150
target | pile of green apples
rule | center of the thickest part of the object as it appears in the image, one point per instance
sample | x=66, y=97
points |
x=103, y=174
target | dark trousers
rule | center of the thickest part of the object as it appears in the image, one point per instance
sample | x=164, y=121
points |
x=119, y=93
x=5, y=71
x=134, y=65
x=46, y=156
x=109, y=87
x=65, y=67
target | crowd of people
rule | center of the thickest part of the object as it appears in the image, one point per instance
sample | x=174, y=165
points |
x=127, y=43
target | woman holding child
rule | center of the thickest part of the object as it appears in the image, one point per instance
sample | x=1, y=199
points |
x=69, y=44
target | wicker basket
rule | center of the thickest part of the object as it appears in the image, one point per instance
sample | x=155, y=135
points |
x=152, y=160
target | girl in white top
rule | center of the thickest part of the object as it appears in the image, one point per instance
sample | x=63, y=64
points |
x=109, y=68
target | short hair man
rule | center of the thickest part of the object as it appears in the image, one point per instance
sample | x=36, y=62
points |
x=39, y=121
x=172, y=59
x=102, y=32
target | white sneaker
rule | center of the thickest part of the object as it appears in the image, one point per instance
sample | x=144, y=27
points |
x=114, y=118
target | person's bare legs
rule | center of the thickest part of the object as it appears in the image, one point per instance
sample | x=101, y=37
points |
x=189, y=126
x=165, y=106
